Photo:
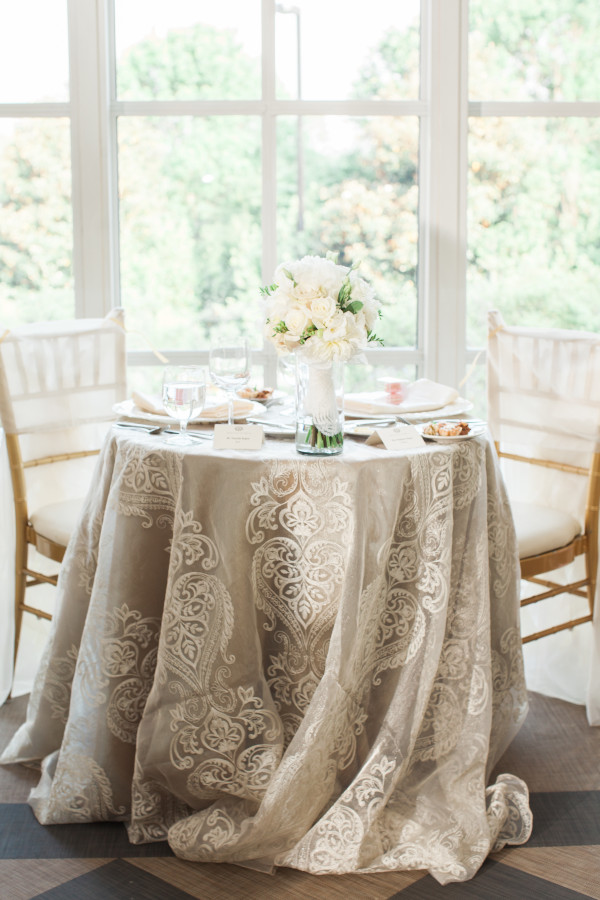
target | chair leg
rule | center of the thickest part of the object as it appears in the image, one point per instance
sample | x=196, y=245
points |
x=591, y=570
x=20, y=585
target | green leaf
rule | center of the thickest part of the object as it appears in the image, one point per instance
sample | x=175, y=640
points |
x=268, y=289
x=371, y=336
x=355, y=306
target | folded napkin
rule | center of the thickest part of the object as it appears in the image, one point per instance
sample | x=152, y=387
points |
x=151, y=404
x=421, y=395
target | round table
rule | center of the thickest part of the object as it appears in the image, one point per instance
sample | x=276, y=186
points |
x=279, y=660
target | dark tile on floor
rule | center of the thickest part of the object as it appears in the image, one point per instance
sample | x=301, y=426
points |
x=565, y=819
x=493, y=882
x=22, y=837
x=116, y=880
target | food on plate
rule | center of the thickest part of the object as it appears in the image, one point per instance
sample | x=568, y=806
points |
x=248, y=393
x=447, y=429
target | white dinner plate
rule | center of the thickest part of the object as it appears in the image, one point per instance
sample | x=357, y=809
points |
x=476, y=431
x=129, y=410
x=456, y=408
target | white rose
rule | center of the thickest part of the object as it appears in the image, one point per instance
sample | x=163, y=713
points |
x=297, y=319
x=322, y=309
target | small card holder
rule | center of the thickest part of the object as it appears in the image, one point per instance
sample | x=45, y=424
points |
x=238, y=437
x=399, y=437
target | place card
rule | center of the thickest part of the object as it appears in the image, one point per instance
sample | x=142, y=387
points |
x=399, y=437
x=238, y=437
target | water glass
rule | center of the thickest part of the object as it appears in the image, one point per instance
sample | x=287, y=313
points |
x=183, y=395
x=229, y=366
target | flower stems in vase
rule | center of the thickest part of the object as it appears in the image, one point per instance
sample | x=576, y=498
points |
x=320, y=441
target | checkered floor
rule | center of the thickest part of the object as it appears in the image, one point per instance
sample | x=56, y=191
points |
x=556, y=753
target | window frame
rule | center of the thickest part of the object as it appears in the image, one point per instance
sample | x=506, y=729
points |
x=443, y=110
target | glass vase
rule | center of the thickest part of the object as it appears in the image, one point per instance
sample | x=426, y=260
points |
x=319, y=407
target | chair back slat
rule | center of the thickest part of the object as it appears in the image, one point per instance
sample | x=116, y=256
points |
x=55, y=376
x=59, y=382
x=544, y=402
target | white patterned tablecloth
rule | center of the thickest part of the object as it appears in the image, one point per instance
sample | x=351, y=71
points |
x=285, y=661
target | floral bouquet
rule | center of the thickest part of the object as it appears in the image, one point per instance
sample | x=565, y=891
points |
x=325, y=314
x=322, y=308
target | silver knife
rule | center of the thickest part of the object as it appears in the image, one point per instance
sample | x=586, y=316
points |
x=139, y=426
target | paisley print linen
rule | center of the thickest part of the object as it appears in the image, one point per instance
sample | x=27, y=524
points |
x=311, y=662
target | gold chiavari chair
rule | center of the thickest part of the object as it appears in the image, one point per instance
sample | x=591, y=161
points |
x=544, y=415
x=59, y=382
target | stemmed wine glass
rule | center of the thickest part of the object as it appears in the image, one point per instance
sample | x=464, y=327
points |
x=229, y=366
x=183, y=394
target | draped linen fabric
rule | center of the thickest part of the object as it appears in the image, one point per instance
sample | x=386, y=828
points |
x=281, y=661
x=544, y=402
x=58, y=384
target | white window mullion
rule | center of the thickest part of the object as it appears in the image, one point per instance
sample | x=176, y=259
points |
x=269, y=167
x=445, y=262
x=108, y=99
x=91, y=258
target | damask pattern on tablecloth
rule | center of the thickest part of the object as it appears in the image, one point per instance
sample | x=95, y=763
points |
x=396, y=828
x=79, y=791
x=224, y=740
x=363, y=742
x=150, y=481
x=113, y=668
x=297, y=575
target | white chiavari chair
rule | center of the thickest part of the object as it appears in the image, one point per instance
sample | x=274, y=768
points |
x=544, y=415
x=58, y=384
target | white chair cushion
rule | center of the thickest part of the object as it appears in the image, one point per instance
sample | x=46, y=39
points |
x=57, y=521
x=540, y=528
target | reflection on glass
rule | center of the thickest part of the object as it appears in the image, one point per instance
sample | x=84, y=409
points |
x=188, y=49
x=34, y=51
x=324, y=51
x=190, y=230
x=36, y=224
x=533, y=223
x=359, y=195
x=183, y=396
x=534, y=50
x=229, y=367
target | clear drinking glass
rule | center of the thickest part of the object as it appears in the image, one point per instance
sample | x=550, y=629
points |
x=183, y=395
x=229, y=366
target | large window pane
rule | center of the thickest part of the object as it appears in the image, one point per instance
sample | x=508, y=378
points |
x=534, y=50
x=534, y=222
x=349, y=185
x=190, y=207
x=188, y=49
x=325, y=51
x=34, y=53
x=36, y=225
